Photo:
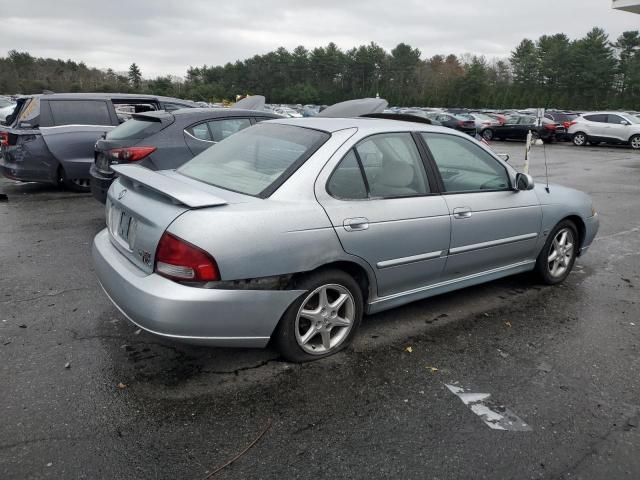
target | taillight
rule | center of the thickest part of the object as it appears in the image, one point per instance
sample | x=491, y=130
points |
x=4, y=139
x=550, y=126
x=177, y=259
x=570, y=123
x=131, y=154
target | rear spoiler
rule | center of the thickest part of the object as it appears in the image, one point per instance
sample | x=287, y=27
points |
x=178, y=191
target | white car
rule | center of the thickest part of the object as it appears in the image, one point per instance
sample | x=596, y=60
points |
x=609, y=127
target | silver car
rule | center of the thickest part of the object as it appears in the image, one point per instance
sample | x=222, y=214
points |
x=291, y=230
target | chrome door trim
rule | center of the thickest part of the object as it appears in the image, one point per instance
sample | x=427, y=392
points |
x=452, y=281
x=492, y=243
x=198, y=139
x=405, y=260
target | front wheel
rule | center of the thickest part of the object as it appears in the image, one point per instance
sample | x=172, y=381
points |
x=635, y=142
x=323, y=320
x=558, y=254
x=580, y=139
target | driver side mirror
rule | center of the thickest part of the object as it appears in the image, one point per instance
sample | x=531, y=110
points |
x=524, y=182
x=503, y=156
x=624, y=122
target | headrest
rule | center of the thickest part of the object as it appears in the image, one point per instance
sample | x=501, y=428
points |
x=397, y=174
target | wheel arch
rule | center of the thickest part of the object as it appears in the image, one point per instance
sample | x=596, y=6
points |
x=580, y=226
x=364, y=278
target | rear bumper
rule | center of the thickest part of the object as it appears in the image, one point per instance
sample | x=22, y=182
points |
x=26, y=170
x=224, y=318
x=592, y=224
x=99, y=184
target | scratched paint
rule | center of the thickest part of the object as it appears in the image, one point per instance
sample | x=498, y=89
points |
x=493, y=414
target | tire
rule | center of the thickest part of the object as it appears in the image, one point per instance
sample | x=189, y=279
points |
x=557, y=270
x=580, y=139
x=75, y=185
x=487, y=134
x=635, y=142
x=302, y=338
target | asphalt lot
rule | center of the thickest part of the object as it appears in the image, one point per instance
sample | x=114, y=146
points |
x=564, y=359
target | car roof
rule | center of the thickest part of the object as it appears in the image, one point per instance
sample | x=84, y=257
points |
x=372, y=125
x=101, y=96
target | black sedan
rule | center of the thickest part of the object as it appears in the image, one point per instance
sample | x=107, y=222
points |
x=165, y=140
x=517, y=127
x=460, y=122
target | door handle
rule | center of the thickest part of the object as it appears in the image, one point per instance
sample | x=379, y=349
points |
x=358, y=223
x=462, y=212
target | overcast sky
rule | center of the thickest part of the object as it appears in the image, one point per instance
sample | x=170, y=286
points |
x=166, y=37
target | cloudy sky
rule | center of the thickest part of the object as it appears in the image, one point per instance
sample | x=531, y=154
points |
x=166, y=37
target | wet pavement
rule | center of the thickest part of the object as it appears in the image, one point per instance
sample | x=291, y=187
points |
x=86, y=395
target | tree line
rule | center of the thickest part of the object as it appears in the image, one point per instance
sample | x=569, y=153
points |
x=553, y=71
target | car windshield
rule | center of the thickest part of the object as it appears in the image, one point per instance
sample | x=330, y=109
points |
x=256, y=160
x=633, y=118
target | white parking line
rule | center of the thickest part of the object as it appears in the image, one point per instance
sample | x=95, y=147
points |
x=494, y=415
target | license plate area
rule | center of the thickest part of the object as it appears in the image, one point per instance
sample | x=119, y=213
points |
x=123, y=227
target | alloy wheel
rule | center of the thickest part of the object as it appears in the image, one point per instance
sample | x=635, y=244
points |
x=635, y=142
x=325, y=319
x=487, y=134
x=579, y=139
x=561, y=252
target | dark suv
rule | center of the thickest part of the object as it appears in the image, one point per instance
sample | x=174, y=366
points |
x=50, y=138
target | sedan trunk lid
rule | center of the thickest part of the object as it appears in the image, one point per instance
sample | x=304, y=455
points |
x=142, y=204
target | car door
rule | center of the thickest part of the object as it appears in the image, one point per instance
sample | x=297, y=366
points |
x=70, y=129
x=618, y=127
x=525, y=125
x=384, y=209
x=597, y=126
x=492, y=225
x=508, y=129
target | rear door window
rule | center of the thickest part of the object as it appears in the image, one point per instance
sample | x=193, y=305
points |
x=79, y=112
x=221, y=129
x=596, y=118
x=200, y=131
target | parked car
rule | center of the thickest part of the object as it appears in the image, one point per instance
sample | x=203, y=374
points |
x=608, y=127
x=50, y=138
x=563, y=118
x=165, y=140
x=292, y=229
x=517, y=127
x=482, y=121
x=457, y=122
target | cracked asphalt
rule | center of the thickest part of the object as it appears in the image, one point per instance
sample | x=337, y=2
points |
x=85, y=395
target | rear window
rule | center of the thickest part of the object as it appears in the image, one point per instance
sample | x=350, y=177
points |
x=257, y=160
x=79, y=112
x=134, y=129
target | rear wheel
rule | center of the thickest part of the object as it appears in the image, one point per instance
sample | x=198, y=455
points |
x=80, y=185
x=487, y=134
x=580, y=139
x=635, y=142
x=558, y=254
x=323, y=320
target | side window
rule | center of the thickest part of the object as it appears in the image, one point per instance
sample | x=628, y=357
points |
x=392, y=166
x=200, y=131
x=221, y=129
x=617, y=119
x=170, y=107
x=346, y=182
x=464, y=166
x=79, y=112
x=596, y=118
x=513, y=120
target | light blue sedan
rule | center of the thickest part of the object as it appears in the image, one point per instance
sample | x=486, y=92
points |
x=291, y=230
